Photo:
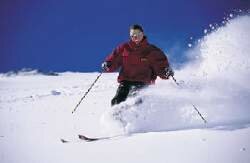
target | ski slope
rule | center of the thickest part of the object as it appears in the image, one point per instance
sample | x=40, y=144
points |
x=35, y=111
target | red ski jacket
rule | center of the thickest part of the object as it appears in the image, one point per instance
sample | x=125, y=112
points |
x=142, y=63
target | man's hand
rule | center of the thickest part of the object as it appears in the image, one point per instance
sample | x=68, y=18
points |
x=106, y=65
x=169, y=72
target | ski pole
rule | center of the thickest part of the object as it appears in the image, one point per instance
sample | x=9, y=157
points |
x=175, y=81
x=195, y=108
x=87, y=92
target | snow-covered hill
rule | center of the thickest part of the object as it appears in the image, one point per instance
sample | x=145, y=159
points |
x=35, y=111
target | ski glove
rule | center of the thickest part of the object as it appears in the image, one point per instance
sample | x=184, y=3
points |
x=106, y=65
x=169, y=72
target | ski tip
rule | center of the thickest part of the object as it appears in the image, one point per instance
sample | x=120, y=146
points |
x=82, y=137
x=64, y=141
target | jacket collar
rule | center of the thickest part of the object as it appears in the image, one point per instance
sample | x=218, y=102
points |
x=142, y=44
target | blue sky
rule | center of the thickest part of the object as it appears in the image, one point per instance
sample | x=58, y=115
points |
x=76, y=35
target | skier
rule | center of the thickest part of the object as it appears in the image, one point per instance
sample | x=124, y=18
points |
x=139, y=62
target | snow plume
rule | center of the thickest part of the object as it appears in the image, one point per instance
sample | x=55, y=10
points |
x=216, y=81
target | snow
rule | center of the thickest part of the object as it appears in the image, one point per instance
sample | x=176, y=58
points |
x=35, y=111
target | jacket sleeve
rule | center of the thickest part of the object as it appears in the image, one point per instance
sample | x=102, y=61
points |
x=115, y=58
x=159, y=62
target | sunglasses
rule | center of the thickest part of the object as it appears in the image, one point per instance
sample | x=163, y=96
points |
x=135, y=33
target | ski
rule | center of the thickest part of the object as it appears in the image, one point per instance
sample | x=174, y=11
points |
x=64, y=140
x=89, y=139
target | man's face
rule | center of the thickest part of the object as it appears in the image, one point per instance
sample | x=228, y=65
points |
x=136, y=35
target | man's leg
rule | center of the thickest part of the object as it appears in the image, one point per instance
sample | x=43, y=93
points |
x=135, y=88
x=121, y=93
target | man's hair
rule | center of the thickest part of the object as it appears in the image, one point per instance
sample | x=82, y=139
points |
x=136, y=26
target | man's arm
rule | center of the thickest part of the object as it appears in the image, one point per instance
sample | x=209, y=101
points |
x=160, y=64
x=114, y=60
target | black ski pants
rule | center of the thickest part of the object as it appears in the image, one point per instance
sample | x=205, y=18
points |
x=125, y=89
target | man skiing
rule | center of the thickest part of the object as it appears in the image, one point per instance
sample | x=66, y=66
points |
x=139, y=63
